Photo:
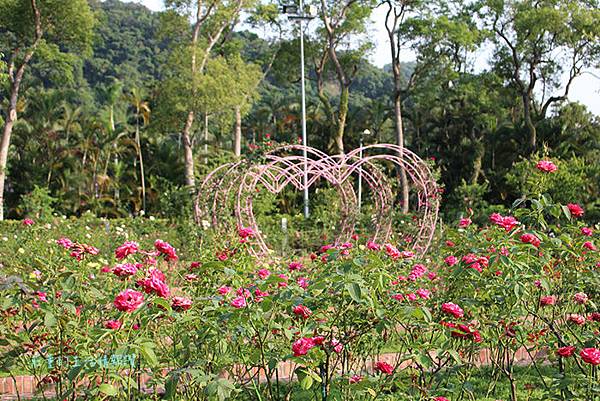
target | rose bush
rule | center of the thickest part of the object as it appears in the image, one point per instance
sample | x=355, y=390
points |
x=359, y=320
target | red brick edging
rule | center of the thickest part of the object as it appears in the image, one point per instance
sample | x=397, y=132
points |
x=26, y=385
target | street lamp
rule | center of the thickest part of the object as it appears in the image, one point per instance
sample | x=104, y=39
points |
x=362, y=135
x=297, y=13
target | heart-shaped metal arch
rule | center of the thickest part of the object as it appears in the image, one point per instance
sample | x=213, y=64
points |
x=238, y=182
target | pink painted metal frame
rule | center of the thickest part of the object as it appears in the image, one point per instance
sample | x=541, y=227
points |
x=238, y=182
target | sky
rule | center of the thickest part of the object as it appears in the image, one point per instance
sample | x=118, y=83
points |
x=585, y=89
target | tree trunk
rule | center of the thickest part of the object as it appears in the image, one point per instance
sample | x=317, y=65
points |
x=400, y=143
x=138, y=144
x=5, y=144
x=337, y=142
x=529, y=122
x=479, y=152
x=11, y=115
x=237, y=134
x=188, y=154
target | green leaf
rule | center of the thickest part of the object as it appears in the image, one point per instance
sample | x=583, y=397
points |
x=147, y=350
x=171, y=387
x=163, y=303
x=108, y=389
x=355, y=292
x=73, y=373
x=49, y=319
x=306, y=382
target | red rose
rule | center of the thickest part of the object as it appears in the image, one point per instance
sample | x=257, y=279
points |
x=530, y=239
x=575, y=209
x=566, y=351
x=590, y=355
x=302, y=311
x=384, y=367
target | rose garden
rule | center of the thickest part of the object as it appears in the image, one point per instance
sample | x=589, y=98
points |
x=147, y=310
x=300, y=200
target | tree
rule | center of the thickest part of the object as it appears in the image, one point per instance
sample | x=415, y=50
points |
x=344, y=25
x=142, y=111
x=50, y=27
x=210, y=21
x=396, y=13
x=538, y=41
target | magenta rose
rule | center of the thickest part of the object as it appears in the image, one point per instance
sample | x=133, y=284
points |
x=128, y=248
x=128, y=300
x=181, y=304
x=591, y=356
x=302, y=346
x=453, y=309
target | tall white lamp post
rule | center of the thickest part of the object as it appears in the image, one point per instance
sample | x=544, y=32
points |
x=298, y=13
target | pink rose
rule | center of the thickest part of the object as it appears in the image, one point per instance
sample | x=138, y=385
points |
x=65, y=243
x=452, y=309
x=181, y=304
x=464, y=222
x=128, y=300
x=546, y=166
x=238, y=302
x=302, y=346
x=451, y=260
x=125, y=270
x=245, y=232
x=417, y=272
x=440, y=399
x=27, y=222
x=224, y=290
x=506, y=222
x=166, y=249
x=336, y=346
x=580, y=298
x=154, y=283
x=384, y=367
x=295, y=266
x=355, y=379
x=423, y=293
x=392, y=251
x=128, y=248
x=576, y=319
x=263, y=273
x=548, y=300
x=575, y=209
x=373, y=246
x=112, y=324
x=590, y=355
x=42, y=296
x=587, y=231
x=302, y=311
x=589, y=245
x=302, y=282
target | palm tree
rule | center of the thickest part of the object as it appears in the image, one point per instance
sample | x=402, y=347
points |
x=142, y=110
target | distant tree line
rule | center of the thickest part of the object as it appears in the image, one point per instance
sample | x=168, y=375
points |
x=111, y=108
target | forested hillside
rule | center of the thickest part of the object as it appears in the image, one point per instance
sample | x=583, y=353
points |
x=105, y=128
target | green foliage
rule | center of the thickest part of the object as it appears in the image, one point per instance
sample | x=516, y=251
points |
x=575, y=181
x=38, y=204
